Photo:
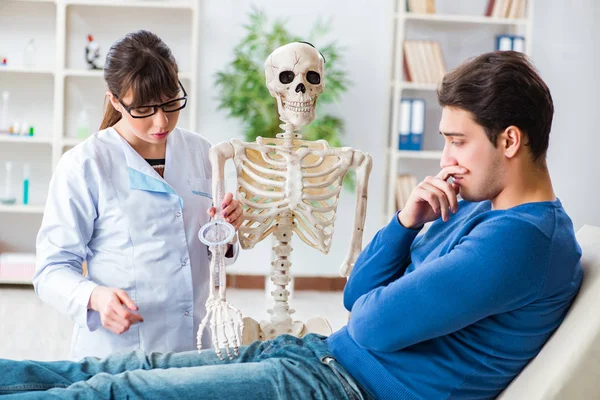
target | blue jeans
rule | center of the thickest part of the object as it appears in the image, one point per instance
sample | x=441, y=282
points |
x=283, y=368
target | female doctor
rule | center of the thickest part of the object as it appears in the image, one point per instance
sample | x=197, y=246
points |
x=130, y=201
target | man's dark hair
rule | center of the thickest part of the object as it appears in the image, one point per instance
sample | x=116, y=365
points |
x=501, y=89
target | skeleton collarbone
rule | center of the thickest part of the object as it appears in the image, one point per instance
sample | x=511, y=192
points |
x=299, y=184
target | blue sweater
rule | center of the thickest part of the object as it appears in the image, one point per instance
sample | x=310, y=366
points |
x=458, y=311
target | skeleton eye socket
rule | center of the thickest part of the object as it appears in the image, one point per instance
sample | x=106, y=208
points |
x=313, y=77
x=286, y=77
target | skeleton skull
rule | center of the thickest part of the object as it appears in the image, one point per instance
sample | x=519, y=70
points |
x=295, y=77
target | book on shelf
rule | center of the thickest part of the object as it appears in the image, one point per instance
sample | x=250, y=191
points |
x=412, y=124
x=423, y=61
x=513, y=9
x=421, y=6
x=405, y=184
x=510, y=42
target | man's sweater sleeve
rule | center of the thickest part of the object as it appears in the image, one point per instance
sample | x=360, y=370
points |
x=383, y=261
x=499, y=266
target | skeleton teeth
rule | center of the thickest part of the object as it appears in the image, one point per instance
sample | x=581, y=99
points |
x=299, y=106
x=298, y=109
x=300, y=103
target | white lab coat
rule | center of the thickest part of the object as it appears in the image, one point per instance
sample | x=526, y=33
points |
x=138, y=232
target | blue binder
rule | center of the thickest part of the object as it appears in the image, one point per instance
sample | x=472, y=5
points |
x=404, y=128
x=417, y=124
x=510, y=42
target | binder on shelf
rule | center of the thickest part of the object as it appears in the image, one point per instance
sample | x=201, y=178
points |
x=519, y=44
x=404, y=130
x=504, y=42
x=417, y=124
x=510, y=42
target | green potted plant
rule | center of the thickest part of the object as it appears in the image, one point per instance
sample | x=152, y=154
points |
x=243, y=93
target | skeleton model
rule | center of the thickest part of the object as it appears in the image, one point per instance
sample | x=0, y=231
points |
x=288, y=185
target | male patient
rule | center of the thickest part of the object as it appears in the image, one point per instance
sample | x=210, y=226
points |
x=456, y=312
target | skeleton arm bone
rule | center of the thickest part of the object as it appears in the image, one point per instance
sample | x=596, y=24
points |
x=217, y=155
x=363, y=164
x=224, y=319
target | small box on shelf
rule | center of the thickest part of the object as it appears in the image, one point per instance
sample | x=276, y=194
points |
x=17, y=268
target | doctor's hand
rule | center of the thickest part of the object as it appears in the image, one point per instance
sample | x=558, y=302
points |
x=114, y=306
x=232, y=211
x=431, y=199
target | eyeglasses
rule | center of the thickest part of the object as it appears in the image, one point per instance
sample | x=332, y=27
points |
x=149, y=110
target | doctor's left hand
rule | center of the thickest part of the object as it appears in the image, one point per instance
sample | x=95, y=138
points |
x=232, y=211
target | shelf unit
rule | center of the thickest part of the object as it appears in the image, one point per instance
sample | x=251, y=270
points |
x=21, y=209
x=50, y=94
x=20, y=282
x=442, y=23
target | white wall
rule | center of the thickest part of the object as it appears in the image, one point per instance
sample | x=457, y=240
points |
x=365, y=32
x=566, y=52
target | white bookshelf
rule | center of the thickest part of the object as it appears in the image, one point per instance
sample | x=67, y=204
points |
x=21, y=209
x=168, y=4
x=466, y=19
x=25, y=139
x=7, y=281
x=418, y=155
x=462, y=29
x=50, y=94
x=24, y=70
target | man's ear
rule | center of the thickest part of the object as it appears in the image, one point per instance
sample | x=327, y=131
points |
x=511, y=141
x=113, y=100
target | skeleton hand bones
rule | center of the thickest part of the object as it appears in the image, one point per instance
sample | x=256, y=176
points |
x=222, y=316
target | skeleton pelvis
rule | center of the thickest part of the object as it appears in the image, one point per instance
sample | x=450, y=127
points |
x=266, y=330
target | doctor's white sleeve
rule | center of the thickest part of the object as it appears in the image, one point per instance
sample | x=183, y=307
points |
x=61, y=245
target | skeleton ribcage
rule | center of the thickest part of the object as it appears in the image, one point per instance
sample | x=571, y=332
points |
x=304, y=181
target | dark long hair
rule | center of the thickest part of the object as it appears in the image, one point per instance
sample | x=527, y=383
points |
x=501, y=89
x=143, y=63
